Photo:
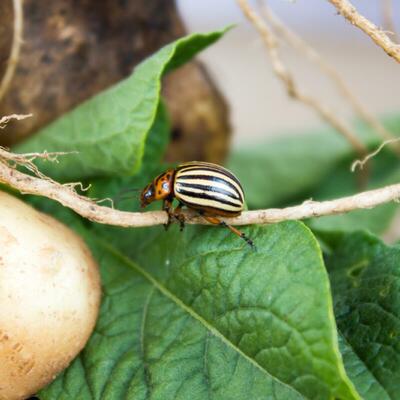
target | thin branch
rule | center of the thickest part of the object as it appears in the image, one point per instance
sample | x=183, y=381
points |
x=26, y=160
x=348, y=11
x=291, y=87
x=388, y=20
x=15, y=48
x=6, y=119
x=87, y=208
x=361, y=163
x=312, y=54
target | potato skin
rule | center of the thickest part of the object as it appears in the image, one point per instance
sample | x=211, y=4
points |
x=49, y=298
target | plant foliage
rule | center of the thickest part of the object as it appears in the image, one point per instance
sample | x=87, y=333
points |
x=198, y=314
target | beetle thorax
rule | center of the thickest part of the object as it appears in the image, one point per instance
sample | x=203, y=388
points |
x=163, y=185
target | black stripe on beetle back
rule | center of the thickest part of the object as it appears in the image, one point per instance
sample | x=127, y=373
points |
x=212, y=178
x=214, y=189
x=221, y=170
x=206, y=197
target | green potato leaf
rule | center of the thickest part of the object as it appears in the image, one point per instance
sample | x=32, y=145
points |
x=113, y=188
x=367, y=385
x=109, y=131
x=148, y=344
x=198, y=314
x=157, y=138
x=125, y=191
x=365, y=279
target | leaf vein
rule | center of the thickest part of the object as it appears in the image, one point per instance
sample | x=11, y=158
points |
x=192, y=313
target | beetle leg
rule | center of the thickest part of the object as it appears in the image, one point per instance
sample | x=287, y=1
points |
x=179, y=216
x=217, y=221
x=167, y=206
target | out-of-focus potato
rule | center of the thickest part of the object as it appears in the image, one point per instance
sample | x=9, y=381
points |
x=49, y=297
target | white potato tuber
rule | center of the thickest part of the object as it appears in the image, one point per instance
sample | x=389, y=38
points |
x=49, y=298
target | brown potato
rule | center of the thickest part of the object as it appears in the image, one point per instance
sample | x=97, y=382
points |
x=49, y=298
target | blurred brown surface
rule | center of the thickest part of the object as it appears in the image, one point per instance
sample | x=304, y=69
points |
x=259, y=106
x=6, y=26
x=74, y=49
x=199, y=113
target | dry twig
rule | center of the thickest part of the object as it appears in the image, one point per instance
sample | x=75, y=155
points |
x=15, y=48
x=6, y=119
x=312, y=54
x=87, y=208
x=26, y=160
x=361, y=163
x=348, y=11
x=291, y=86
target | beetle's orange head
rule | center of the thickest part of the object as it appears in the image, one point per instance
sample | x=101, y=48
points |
x=159, y=189
x=148, y=195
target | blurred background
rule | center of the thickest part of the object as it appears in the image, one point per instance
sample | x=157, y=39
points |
x=71, y=51
x=259, y=104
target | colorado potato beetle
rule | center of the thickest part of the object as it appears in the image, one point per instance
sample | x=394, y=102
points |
x=210, y=189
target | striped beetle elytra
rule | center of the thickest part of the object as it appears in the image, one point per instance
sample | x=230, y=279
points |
x=208, y=188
